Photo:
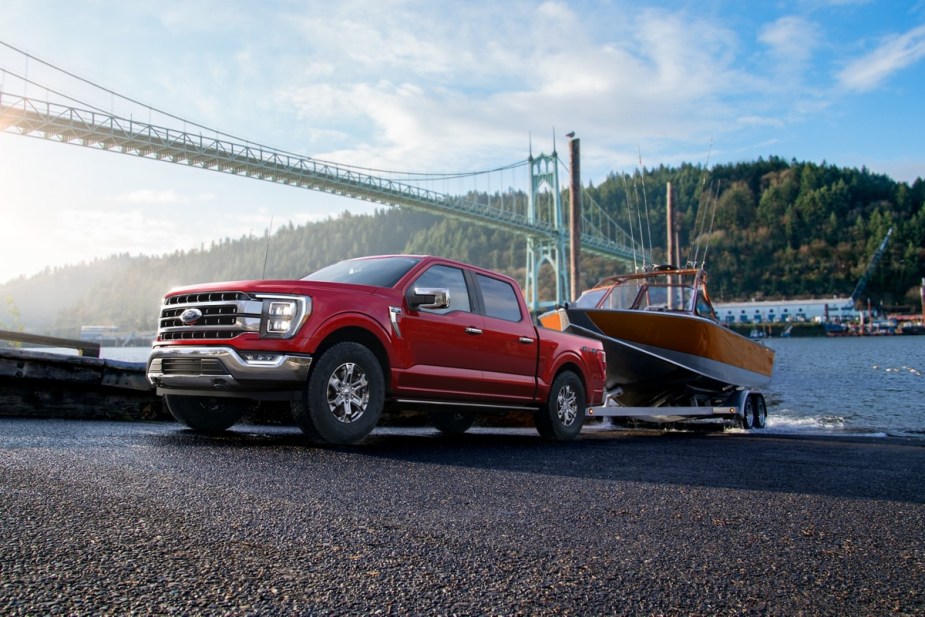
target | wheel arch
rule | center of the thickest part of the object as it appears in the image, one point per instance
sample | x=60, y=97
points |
x=357, y=334
x=573, y=367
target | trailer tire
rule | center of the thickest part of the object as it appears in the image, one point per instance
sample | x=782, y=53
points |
x=748, y=412
x=207, y=414
x=344, y=397
x=562, y=416
x=761, y=411
x=451, y=423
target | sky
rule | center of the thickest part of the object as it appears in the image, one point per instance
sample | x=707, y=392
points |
x=433, y=87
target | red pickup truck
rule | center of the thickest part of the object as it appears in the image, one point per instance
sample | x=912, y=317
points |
x=368, y=335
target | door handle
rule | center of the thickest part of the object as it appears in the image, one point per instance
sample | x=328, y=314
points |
x=473, y=331
x=526, y=340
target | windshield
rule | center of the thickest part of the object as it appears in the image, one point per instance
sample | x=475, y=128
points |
x=378, y=271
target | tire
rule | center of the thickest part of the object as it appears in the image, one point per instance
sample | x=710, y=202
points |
x=748, y=413
x=344, y=396
x=563, y=415
x=207, y=414
x=761, y=411
x=451, y=423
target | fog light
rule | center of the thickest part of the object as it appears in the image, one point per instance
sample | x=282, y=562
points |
x=258, y=357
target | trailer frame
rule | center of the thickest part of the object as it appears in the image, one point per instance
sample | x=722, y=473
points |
x=746, y=407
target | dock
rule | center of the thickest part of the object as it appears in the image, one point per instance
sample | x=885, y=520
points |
x=44, y=384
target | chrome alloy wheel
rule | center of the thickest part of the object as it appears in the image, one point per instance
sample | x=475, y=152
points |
x=567, y=405
x=348, y=392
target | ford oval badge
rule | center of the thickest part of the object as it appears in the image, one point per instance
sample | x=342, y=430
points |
x=190, y=316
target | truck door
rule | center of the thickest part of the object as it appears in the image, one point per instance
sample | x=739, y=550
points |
x=510, y=369
x=444, y=348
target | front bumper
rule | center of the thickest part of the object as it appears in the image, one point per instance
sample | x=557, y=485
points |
x=225, y=371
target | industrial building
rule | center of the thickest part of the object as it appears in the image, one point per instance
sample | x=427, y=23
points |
x=779, y=311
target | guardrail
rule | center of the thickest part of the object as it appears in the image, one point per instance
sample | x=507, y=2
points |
x=84, y=348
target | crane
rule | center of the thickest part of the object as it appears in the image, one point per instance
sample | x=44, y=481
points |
x=859, y=289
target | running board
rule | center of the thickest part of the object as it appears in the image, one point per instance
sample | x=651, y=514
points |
x=464, y=404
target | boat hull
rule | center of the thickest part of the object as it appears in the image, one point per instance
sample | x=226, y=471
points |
x=652, y=356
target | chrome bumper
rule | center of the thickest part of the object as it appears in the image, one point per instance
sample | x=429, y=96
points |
x=224, y=369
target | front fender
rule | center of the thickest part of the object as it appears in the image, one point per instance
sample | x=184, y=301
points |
x=352, y=325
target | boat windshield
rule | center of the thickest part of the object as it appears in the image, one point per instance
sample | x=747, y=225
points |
x=639, y=295
x=591, y=298
x=664, y=297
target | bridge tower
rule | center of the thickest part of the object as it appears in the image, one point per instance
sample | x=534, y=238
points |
x=552, y=250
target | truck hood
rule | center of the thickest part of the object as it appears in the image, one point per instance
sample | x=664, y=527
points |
x=278, y=286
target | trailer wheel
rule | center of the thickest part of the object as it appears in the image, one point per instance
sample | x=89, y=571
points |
x=748, y=412
x=344, y=397
x=454, y=423
x=761, y=411
x=563, y=414
x=207, y=414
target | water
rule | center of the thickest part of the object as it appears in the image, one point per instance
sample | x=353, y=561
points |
x=849, y=386
x=835, y=386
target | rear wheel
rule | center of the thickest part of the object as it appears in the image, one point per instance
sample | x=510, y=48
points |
x=748, y=412
x=453, y=423
x=563, y=414
x=344, y=397
x=761, y=411
x=207, y=414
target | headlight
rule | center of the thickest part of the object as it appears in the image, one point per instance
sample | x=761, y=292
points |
x=282, y=315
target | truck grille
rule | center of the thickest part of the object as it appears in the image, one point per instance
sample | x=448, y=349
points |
x=192, y=366
x=225, y=315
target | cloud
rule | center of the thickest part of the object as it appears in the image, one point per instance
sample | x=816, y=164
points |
x=790, y=39
x=449, y=89
x=894, y=53
x=161, y=197
x=111, y=232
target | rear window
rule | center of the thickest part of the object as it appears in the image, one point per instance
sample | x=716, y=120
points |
x=500, y=299
x=378, y=272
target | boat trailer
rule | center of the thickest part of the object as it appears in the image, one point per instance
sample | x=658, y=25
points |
x=743, y=407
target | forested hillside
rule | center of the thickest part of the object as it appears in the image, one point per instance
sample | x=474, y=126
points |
x=767, y=229
x=792, y=229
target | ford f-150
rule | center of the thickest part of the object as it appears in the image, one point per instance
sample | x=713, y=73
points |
x=368, y=335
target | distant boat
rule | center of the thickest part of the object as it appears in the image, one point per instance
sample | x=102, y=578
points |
x=662, y=338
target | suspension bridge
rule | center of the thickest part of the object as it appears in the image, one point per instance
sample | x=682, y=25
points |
x=59, y=117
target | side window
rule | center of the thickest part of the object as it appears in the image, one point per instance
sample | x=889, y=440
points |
x=500, y=299
x=445, y=277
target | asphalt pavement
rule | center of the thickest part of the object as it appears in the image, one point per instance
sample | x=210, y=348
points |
x=117, y=518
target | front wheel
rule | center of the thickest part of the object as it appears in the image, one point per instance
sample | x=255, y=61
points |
x=344, y=397
x=207, y=414
x=563, y=414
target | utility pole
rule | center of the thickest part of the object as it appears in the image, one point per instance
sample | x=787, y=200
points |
x=669, y=252
x=574, y=215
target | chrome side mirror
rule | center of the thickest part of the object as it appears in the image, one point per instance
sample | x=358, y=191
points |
x=429, y=298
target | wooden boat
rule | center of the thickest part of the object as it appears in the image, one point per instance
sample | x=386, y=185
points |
x=663, y=341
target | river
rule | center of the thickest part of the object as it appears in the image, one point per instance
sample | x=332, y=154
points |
x=847, y=386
